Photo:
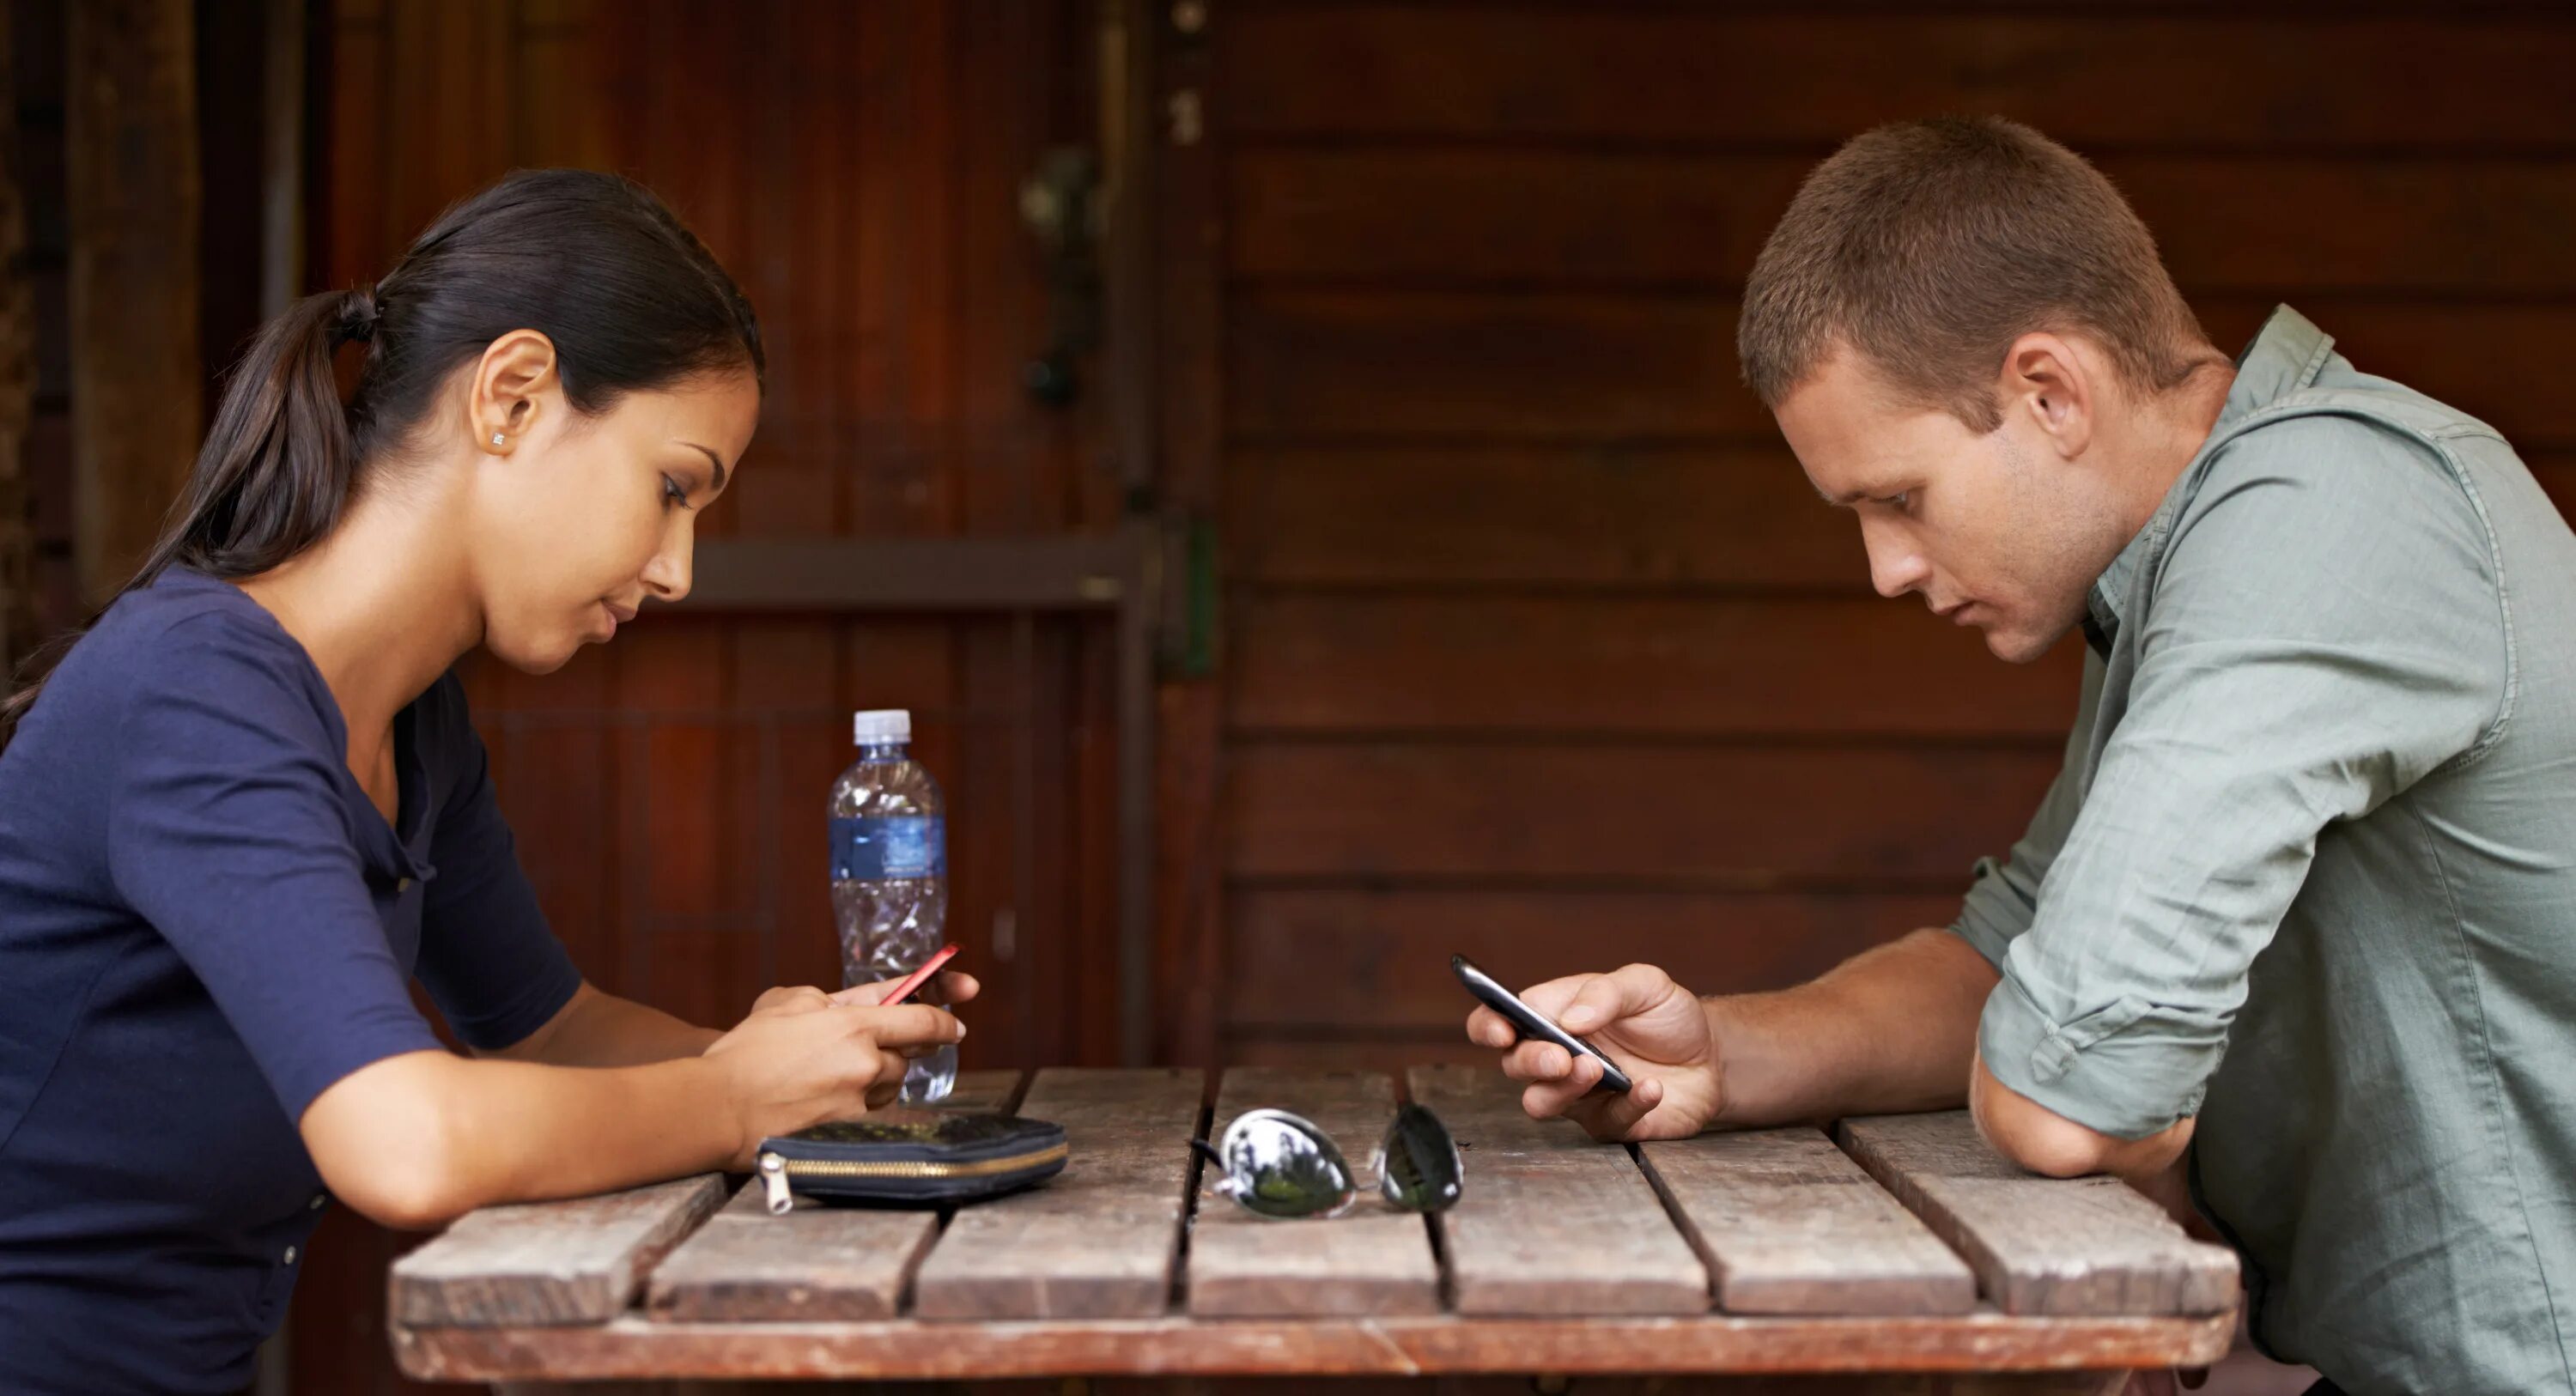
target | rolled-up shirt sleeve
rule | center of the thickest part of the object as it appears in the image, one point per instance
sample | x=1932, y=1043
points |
x=2003, y=894
x=2326, y=628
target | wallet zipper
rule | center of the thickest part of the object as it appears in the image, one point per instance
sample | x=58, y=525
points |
x=777, y=1169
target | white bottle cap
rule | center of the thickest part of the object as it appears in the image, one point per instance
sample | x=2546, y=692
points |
x=880, y=726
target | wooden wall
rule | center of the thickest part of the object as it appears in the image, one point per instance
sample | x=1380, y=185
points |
x=856, y=167
x=38, y=51
x=1540, y=646
x=1536, y=644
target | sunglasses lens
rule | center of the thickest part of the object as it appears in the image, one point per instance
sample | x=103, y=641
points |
x=1418, y=1165
x=1279, y=1165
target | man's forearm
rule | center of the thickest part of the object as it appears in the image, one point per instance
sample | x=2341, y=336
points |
x=1893, y=1029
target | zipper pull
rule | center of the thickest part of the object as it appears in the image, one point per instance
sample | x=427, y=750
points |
x=773, y=1178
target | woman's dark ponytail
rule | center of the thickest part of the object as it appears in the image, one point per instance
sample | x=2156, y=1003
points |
x=593, y=261
x=279, y=463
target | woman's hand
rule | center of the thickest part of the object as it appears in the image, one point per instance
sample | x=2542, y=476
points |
x=1657, y=1031
x=947, y=989
x=804, y=1056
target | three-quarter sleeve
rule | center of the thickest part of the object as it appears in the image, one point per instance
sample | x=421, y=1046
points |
x=228, y=831
x=2327, y=628
x=487, y=956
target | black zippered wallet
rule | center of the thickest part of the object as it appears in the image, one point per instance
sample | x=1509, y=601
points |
x=916, y=1161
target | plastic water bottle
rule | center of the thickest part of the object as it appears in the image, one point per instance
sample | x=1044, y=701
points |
x=890, y=873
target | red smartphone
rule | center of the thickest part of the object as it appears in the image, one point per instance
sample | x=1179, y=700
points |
x=913, y=981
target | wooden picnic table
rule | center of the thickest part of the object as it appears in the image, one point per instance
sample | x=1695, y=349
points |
x=1898, y=1244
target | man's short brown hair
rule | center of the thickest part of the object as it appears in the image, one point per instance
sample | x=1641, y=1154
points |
x=1930, y=246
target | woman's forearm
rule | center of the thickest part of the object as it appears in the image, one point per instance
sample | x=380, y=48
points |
x=417, y=1140
x=612, y=1031
x=601, y=1029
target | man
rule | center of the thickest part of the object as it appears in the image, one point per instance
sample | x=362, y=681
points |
x=2296, y=926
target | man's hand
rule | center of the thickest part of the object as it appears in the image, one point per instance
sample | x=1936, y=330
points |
x=1658, y=1033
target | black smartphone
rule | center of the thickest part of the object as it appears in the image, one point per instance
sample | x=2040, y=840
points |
x=1533, y=1024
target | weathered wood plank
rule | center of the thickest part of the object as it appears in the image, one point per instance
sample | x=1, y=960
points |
x=543, y=1263
x=1551, y=1222
x=1750, y=815
x=816, y=1263
x=2041, y=1245
x=1748, y=667
x=1100, y=1241
x=1313, y=1348
x=1371, y=1260
x=1789, y=1225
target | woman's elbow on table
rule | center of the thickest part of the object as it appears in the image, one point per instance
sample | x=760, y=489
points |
x=385, y=1142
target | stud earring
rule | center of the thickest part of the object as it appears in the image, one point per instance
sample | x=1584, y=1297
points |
x=496, y=438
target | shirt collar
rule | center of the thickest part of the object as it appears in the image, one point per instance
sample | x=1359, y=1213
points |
x=2282, y=358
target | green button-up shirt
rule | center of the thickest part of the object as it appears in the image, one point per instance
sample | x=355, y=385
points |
x=2309, y=874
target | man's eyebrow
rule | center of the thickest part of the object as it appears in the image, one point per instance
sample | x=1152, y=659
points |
x=711, y=460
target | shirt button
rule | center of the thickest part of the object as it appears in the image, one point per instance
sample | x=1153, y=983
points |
x=319, y=1198
x=401, y=885
x=291, y=1253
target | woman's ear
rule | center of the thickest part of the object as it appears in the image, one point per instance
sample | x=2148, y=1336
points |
x=2046, y=377
x=515, y=384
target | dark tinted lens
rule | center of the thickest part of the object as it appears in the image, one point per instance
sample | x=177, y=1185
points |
x=1418, y=1165
x=1282, y=1166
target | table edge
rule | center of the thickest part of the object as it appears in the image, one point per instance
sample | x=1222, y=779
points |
x=633, y=1347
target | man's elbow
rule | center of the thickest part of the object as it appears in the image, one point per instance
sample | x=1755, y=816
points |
x=2045, y=1142
x=2041, y=1140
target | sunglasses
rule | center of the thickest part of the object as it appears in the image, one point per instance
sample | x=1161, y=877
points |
x=1279, y=1165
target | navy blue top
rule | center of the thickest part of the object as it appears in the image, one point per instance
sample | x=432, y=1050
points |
x=204, y=922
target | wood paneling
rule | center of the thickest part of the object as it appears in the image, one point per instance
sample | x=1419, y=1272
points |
x=131, y=147
x=1596, y=666
x=1519, y=812
x=1662, y=219
x=1559, y=521
x=1605, y=515
x=17, y=375
x=1320, y=960
x=1558, y=366
x=2419, y=79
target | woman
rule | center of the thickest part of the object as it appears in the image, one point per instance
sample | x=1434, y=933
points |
x=247, y=807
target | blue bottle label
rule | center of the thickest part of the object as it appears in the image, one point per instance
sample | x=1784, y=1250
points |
x=909, y=845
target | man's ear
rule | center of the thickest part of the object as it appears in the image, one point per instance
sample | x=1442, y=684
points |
x=2047, y=379
x=514, y=382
